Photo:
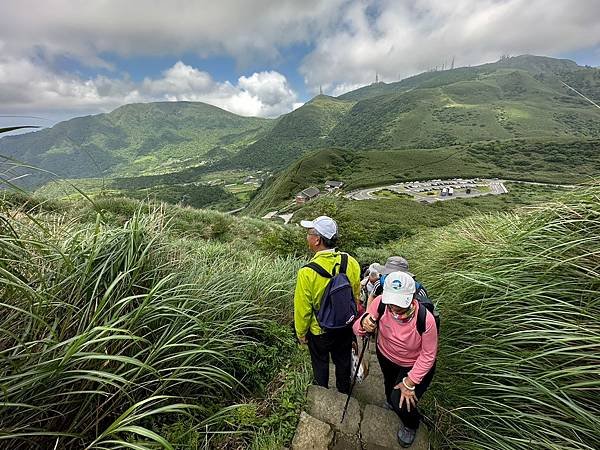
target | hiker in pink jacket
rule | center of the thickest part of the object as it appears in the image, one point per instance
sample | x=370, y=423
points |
x=407, y=357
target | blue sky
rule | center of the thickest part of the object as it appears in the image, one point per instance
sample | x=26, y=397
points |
x=260, y=57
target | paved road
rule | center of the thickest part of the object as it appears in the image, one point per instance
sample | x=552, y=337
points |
x=364, y=194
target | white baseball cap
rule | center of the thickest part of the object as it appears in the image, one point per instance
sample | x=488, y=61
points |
x=324, y=225
x=398, y=289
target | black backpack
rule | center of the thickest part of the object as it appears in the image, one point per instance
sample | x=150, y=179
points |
x=338, y=307
x=424, y=300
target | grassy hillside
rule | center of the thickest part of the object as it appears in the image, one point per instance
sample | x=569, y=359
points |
x=535, y=65
x=304, y=129
x=519, y=365
x=161, y=343
x=559, y=161
x=134, y=139
x=518, y=97
x=503, y=104
x=123, y=324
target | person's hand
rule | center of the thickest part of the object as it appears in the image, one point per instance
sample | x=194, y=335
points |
x=303, y=340
x=408, y=396
x=369, y=324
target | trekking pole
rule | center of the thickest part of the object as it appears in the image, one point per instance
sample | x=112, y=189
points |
x=362, y=353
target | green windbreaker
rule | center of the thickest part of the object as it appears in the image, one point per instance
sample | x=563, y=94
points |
x=310, y=287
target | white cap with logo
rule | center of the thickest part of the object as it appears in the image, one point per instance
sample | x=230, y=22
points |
x=398, y=289
x=323, y=225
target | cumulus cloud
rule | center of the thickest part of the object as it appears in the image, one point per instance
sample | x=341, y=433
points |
x=397, y=38
x=265, y=94
x=26, y=86
x=247, y=29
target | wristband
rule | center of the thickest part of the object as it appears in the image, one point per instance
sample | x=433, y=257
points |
x=406, y=386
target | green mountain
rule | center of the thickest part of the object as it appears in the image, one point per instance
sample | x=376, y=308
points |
x=519, y=97
x=533, y=64
x=304, y=129
x=515, y=98
x=135, y=139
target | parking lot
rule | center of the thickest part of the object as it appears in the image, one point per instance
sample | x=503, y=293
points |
x=436, y=190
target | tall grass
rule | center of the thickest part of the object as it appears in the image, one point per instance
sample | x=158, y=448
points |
x=519, y=364
x=105, y=328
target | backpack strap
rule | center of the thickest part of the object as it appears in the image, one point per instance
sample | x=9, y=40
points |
x=344, y=263
x=317, y=268
x=421, y=319
x=380, y=310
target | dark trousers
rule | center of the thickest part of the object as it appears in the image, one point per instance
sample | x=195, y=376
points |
x=392, y=375
x=338, y=343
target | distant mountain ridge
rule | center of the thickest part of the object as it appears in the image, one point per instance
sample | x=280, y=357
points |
x=135, y=139
x=529, y=63
x=515, y=98
x=519, y=97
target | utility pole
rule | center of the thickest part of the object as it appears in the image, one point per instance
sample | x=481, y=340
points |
x=320, y=90
x=376, y=78
x=452, y=67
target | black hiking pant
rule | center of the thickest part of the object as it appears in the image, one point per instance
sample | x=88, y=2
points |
x=338, y=343
x=392, y=375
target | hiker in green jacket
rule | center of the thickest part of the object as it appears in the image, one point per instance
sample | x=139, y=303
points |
x=321, y=238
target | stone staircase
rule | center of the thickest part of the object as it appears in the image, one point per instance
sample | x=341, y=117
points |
x=367, y=425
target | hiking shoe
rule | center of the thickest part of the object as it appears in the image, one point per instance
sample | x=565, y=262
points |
x=406, y=436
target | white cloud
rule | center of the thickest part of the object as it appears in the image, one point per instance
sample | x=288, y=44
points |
x=26, y=86
x=247, y=29
x=398, y=38
x=265, y=94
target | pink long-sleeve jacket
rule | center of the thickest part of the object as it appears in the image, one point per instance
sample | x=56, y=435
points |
x=401, y=343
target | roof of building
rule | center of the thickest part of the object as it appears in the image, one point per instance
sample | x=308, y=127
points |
x=310, y=192
x=334, y=183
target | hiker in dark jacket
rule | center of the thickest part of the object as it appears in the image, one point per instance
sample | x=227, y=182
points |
x=321, y=238
x=406, y=350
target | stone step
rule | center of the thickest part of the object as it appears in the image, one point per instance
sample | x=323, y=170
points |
x=379, y=427
x=370, y=391
x=367, y=426
x=312, y=434
x=346, y=442
x=327, y=405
